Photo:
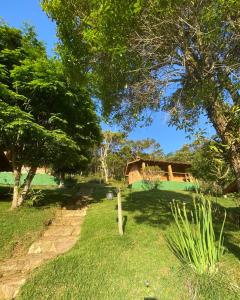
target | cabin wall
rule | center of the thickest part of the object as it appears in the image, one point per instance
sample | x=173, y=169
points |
x=134, y=174
x=167, y=172
x=179, y=177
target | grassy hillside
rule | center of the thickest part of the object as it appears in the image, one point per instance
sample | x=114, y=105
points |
x=21, y=227
x=138, y=265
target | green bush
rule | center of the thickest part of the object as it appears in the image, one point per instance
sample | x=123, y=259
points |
x=193, y=239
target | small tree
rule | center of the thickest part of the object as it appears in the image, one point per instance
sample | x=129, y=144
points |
x=111, y=140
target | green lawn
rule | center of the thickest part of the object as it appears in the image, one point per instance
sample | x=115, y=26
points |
x=21, y=227
x=103, y=265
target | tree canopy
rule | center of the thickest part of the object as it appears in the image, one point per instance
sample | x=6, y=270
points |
x=178, y=56
x=45, y=120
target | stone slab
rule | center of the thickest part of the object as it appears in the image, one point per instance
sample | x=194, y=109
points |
x=10, y=286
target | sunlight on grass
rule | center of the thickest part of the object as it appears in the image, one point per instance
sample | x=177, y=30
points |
x=104, y=265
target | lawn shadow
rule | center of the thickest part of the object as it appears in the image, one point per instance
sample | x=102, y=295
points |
x=85, y=192
x=153, y=206
x=124, y=222
x=5, y=193
x=47, y=196
x=231, y=227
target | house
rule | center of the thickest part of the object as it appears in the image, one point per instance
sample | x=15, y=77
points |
x=42, y=176
x=149, y=173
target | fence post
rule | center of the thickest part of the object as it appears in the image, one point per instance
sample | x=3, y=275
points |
x=120, y=221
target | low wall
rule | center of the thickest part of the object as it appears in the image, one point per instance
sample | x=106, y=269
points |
x=164, y=185
x=6, y=178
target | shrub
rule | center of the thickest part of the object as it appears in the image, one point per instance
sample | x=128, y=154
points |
x=35, y=198
x=193, y=239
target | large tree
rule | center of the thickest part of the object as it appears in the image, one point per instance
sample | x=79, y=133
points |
x=180, y=56
x=45, y=120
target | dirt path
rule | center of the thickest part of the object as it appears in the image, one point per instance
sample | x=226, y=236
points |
x=60, y=236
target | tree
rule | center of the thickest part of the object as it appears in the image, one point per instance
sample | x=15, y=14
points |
x=148, y=148
x=185, y=154
x=210, y=165
x=138, y=51
x=117, y=150
x=44, y=119
x=111, y=141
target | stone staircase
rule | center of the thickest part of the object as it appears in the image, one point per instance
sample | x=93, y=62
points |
x=60, y=236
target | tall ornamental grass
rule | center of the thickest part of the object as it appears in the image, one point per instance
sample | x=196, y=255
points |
x=193, y=239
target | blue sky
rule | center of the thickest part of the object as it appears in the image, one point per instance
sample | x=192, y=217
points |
x=15, y=12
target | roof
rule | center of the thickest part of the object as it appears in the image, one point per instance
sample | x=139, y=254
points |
x=164, y=162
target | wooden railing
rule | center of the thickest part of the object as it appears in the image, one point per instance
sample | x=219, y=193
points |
x=149, y=174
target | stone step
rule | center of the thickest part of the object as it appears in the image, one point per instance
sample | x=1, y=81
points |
x=62, y=230
x=68, y=221
x=60, y=237
x=12, y=266
x=10, y=286
x=23, y=264
x=71, y=213
x=57, y=246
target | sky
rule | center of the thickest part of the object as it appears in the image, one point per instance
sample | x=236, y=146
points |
x=15, y=12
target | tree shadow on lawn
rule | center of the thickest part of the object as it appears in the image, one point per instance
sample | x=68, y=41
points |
x=5, y=193
x=231, y=227
x=68, y=196
x=47, y=196
x=153, y=207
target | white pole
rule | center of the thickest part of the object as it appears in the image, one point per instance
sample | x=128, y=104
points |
x=120, y=221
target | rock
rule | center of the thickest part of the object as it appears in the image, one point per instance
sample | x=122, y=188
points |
x=9, y=287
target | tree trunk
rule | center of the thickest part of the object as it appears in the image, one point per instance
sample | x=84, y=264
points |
x=105, y=170
x=62, y=178
x=26, y=185
x=220, y=123
x=16, y=185
x=235, y=159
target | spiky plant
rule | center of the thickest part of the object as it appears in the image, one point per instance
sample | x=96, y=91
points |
x=193, y=239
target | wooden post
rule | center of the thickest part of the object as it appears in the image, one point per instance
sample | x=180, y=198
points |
x=170, y=173
x=120, y=220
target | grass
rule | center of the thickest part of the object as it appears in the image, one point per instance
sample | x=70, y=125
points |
x=138, y=265
x=21, y=227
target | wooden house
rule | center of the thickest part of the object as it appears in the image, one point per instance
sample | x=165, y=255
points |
x=167, y=175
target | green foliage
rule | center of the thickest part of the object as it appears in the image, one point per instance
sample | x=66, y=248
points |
x=193, y=241
x=185, y=154
x=43, y=102
x=45, y=120
x=210, y=165
x=141, y=56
